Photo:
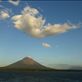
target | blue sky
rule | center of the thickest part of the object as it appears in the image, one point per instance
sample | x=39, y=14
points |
x=50, y=48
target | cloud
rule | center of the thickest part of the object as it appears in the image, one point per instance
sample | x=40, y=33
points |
x=14, y=2
x=4, y=14
x=46, y=45
x=32, y=22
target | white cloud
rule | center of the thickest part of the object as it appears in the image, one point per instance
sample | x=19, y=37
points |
x=14, y=2
x=46, y=45
x=31, y=22
x=4, y=14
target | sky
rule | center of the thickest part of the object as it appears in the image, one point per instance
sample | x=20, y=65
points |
x=48, y=31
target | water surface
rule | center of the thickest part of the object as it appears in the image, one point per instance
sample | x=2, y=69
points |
x=44, y=76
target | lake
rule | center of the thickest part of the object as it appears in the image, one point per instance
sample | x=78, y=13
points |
x=41, y=76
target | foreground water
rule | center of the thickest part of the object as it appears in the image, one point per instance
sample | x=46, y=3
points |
x=41, y=76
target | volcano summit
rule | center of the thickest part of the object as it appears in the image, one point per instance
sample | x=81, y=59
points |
x=26, y=63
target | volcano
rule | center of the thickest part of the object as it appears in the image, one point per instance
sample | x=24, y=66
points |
x=28, y=64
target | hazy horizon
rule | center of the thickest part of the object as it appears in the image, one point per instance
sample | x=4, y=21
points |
x=48, y=31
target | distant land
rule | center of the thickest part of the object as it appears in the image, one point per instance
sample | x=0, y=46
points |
x=29, y=64
x=67, y=67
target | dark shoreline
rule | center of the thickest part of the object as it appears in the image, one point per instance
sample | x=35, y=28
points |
x=33, y=70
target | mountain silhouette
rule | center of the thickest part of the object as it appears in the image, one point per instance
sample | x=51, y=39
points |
x=27, y=63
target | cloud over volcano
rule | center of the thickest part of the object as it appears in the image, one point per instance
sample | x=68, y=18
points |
x=34, y=24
